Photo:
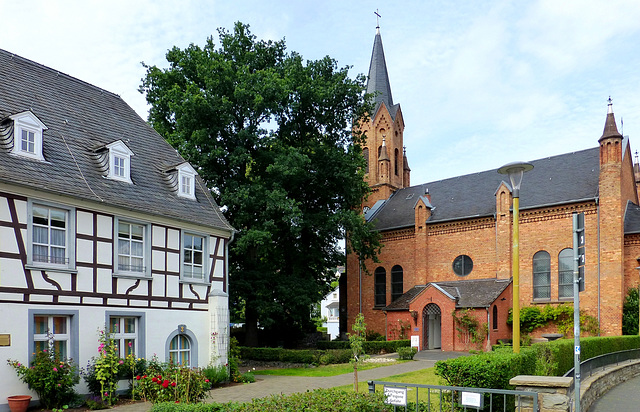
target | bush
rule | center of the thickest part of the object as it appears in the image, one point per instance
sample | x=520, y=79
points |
x=407, y=353
x=370, y=348
x=328, y=400
x=630, y=313
x=52, y=378
x=217, y=375
x=169, y=382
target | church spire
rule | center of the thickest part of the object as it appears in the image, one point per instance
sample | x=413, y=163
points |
x=378, y=81
x=610, y=128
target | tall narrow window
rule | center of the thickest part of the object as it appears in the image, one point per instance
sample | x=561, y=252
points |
x=131, y=247
x=396, y=282
x=49, y=235
x=125, y=332
x=380, y=275
x=180, y=350
x=185, y=186
x=186, y=181
x=565, y=273
x=395, y=161
x=542, y=275
x=365, y=154
x=193, y=259
x=51, y=332
x=495, y=317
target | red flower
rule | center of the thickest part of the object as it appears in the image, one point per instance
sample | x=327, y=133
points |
x=165, y=384
x=173, y=384
x=138, y=377
x=206, y=380
x=154, y=380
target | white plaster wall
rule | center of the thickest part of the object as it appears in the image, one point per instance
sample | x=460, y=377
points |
x=5, y=215
x=105, y=226
x=84, y=222
x=8, y=241
x=158, y=236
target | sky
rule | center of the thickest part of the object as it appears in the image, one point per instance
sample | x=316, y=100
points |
x=480, y=83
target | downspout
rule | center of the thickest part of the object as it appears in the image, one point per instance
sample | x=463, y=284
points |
x=489, y=326
x=360, y=285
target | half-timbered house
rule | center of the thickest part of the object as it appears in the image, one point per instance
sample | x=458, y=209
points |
x=102, y=225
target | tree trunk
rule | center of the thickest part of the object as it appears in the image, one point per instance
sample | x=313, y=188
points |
x=251, y=325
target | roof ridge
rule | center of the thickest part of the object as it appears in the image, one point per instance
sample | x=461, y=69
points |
x=58, y=72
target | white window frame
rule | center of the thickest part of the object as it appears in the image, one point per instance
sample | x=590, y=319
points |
x=28, y=122
x=140, y=319
x=186, y=181
x=180, y=350
x=119, y=150
x=122, y=337
x=70, y=252
x=71, y=337
x=205, y=258
x=146, y=248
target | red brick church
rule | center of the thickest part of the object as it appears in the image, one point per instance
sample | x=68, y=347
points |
x=448, y=244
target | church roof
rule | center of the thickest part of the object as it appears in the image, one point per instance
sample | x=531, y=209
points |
x=471, y=293
x=632, y=218
x=378, y=81
x=562, y=179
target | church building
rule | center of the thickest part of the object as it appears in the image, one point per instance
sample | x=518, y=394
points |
x=447, y=245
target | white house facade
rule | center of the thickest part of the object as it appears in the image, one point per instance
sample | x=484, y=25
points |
x=102, y=224
x=330, y=310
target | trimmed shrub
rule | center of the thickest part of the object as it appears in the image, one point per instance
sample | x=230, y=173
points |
x=370, y=347
x=407, y=353
x=328, y=400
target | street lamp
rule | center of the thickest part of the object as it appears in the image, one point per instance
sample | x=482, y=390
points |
x=515, y=171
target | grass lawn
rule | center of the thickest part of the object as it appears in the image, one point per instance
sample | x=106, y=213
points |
x=424, y=377
x=324, y=370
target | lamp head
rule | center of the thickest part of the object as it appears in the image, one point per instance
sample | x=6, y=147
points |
x=515, y=171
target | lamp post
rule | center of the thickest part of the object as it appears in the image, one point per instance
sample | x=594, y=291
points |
x=515, y=171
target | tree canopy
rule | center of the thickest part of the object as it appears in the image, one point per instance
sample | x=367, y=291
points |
x=271, y=135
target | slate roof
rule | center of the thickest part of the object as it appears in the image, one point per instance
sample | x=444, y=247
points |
x=472, y=293
x=378, y=79
x=80, y=118
x=632, y=218
x=566, y=178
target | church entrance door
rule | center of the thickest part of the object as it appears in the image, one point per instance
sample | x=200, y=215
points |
x=431, y=326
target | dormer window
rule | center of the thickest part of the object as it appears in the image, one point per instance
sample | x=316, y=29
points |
x=28, y=135
x=119, y=161
x=186, y=181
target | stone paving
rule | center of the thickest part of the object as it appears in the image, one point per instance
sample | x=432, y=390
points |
x=267, y=385
x=624, y=397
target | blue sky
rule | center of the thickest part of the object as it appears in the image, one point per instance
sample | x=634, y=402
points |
x=480, y=83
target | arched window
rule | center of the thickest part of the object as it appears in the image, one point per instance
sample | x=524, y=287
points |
x=495, y=317
x=380, y=286
x=180, y=350
x=542, y=275
x=395, y=160
x=365, y=154
x=565, y=273
x=396, y=282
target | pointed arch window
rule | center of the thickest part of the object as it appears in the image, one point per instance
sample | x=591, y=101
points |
x=542, y=275
x=397, y=281
x=380, y=286
x=494, y=322
x=365, y=154
x=565, y=273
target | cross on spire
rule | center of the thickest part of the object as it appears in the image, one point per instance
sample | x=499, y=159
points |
x=377, y=18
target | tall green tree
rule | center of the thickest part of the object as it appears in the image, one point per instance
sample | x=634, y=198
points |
x=272, y=136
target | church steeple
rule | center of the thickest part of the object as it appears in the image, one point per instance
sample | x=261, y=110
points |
x=378, y=82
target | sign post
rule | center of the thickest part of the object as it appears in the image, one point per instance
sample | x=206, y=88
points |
x=578, y=286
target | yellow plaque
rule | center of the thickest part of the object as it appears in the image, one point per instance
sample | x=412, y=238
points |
x=5, y=339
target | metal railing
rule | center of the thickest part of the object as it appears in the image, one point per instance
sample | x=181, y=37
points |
x=450, y=398
x=599, y=363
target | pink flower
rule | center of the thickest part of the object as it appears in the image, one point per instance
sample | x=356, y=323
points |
x=206, y=380
x=55, y=369
x=130, y=344
x=121, y=362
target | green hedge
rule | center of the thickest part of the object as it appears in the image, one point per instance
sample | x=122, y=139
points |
x=308, y=356
x=495, y=369
x=370, y=347
x=328, y=400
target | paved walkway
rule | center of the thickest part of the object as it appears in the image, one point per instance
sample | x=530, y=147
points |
x=267, y=385
x=623, y=397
